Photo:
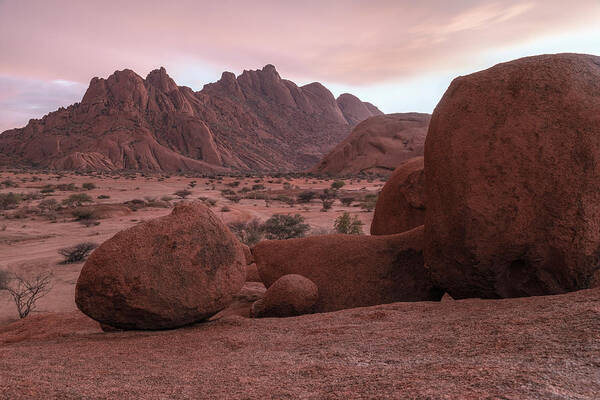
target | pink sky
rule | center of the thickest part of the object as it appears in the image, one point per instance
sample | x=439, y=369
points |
x=397, y=54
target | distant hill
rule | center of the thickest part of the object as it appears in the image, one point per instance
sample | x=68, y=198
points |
x=254, y=122
x=377, y=145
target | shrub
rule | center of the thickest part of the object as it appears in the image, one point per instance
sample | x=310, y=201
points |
x=9, y=200
x=337, y=185
x=135, y=204
x=8, y=183
x=26, y=292
x=77, y=253
x=258, y=187
x=234, y=184
x=166, y=198
x=368, y=202
x=306, y=196
x=103, y=196
x=288, y=226
x=183, y=193
x=348, y=225
x=225, y=209
x=66, y=187
x=346, y=201
x=327, y=204
x=249, y=233
x=77, y=199
x=88, y=186
x=227, y=192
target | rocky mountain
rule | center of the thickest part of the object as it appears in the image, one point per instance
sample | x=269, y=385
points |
x=376, y=145
x=256, y=121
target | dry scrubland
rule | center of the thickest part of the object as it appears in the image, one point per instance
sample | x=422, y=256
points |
x=31, y=235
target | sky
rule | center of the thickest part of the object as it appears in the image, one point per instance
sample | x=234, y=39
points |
x=400, y=55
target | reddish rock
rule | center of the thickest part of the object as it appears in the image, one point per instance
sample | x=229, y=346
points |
x=350, y=270
x=401, y=203
x=288, y=296
x=252, y=273
x=355, y=110
x=164, y=273
x=256, y=121
x=377, y=145
x=512, y=164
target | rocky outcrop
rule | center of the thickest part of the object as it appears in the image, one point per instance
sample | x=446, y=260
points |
x=401, y=203
x=288, y=296
x=351, y=270
x=355, y=110
x=377, y=145
x=512, y=164
x=254, y=122
x=164, y=273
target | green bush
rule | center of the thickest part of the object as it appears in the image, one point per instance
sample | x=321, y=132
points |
x=281, y=226
x=10, y=200
x=182, y=193
x=249, y=233
x=88, y=186
x=348, y=225
x=77, y=199
x=346, y=201
x=306, y=196
x=337, y=185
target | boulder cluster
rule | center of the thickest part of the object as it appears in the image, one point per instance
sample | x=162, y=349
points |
x=504, y=203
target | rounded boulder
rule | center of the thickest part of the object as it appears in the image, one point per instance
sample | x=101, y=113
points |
x=164, y=273
x=288, y=296
x=512, y=165
x=401, y=203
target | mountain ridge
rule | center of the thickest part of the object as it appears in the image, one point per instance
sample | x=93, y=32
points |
x=256, y=122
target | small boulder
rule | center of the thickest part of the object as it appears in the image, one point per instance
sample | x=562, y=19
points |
x=401, y=203
x=289, y=296
x=351, y=270
x=163, y=273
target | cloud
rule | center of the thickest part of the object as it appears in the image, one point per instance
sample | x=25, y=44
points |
x=380, y=48
x=22, y=99
x=350, y=42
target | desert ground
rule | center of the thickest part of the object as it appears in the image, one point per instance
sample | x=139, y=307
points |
x=29, y=241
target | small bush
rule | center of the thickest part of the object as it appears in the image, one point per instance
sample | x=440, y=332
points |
x=327, y=204
x=225, y=209
x=166, y=198
x=337, y=185
x=249, y=233
x=103, y=196
x=288, y=226
x=88, y=186
x=347, y=201
x=306, y=196
x=182, y=193
x=9, y=183
x=77, y=253
x=258, y=187
x=77, y=199
x=9, y=200
x=233, y=184
x=368, y=202
x=26, y=292
x=348, y=225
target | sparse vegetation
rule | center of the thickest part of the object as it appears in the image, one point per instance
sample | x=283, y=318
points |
x=347, y=201
x=348, y=225
x=77, y=199
x=281, y=226
x=26, y=292
x=88, y=186
x=183, y=193
x=10, y=200
x=77, y=253
x=337, y=185
x=306, y=196
x=249, y=233
x=368, y=202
